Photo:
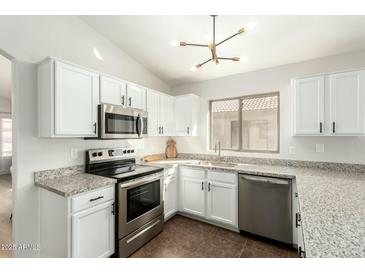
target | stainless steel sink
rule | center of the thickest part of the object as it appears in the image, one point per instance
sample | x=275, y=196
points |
x=217, y=164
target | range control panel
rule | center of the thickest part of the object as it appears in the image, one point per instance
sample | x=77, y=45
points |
x=110, y=154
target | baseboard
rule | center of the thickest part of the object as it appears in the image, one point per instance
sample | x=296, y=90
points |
x=4, y=172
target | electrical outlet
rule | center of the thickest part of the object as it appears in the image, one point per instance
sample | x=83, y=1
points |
x=74, y=153
x=319, y=147
x=292, y=150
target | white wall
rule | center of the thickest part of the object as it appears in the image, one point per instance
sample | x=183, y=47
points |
x=32, y=39
x=337, y=149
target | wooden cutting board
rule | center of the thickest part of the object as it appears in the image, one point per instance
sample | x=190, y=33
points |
x=171, y=151
x=154, y=157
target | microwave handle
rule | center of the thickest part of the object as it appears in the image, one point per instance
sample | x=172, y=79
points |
x=139, y=125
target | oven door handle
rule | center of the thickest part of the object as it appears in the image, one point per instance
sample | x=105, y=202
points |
x=142, y=181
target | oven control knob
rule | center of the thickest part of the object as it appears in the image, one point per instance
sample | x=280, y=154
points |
x=128, y=151
x=132, y=150
x=124, y=151
x=100, y=154
x=94, y=154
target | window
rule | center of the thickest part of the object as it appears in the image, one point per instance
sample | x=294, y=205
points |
x=249, y=123
x=6, y=137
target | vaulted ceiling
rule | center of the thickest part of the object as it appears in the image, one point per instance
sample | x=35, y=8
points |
x=269, y=41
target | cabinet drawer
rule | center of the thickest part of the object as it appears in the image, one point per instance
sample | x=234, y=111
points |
x=222, y=177
x=91, y=199
x=193, y=173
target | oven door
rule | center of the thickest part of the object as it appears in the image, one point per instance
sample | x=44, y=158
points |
x=117, y=122
x=139, y=201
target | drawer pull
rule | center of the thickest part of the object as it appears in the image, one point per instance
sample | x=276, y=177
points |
x=97, y=198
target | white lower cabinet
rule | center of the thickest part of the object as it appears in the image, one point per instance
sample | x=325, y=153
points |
x=93, y=232
x=170, y=193
x=77, y=226
x=211, y=195
x=222, y=202
x=193, y=196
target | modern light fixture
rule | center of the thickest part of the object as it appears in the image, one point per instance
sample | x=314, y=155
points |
x=212, y=46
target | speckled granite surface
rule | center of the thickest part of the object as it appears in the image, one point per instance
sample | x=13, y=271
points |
x=332, y=205
x=75, y=184
x=59, y=172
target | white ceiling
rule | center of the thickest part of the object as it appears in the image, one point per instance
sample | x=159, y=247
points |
x=5, y=77
x=273, y=41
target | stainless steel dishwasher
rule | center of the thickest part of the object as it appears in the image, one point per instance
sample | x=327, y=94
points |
x=265, y=207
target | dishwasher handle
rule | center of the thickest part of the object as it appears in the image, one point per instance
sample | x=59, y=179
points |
x=264, y=179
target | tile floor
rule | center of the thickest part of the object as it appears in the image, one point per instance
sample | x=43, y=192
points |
x=5, y=211
x=186, y=238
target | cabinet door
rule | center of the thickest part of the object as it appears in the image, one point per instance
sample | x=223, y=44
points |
x=153, y=109
x=193, y=196
x=309, y=106
x=170, y=200
x=346, y=106
x=166, y=114
x=112, y=91
x=76, y=101
x=222, y=202
x=93, y=232
x=136, y=96
x=183, y=112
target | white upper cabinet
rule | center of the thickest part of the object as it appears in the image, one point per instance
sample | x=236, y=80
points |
x=113, y=91
x=346, y=103
x=153, y=109
x=329, y=105
x=309, y=106
x=68, y=97
x=160, y=108
x=187, y=115
x=136, y=96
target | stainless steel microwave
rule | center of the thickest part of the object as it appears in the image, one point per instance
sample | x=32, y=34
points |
x=117, y=122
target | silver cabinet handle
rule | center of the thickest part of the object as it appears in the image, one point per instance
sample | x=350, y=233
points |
x=159, y=130
x=94, y=128
x=122, y=100
x=202, y=186
x=162, y=130
x=130, y=101
x=187, y=130
x=209, y=186
x=333, y=127
x=265, y=180
x=97, y=198
x=320, y=127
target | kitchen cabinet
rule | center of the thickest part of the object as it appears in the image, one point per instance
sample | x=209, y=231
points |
x=309, y=106
x=187, y=115
x=222, y=200
x=160, y=108
x=136, y=96
x=346, y=102
x=68, y=97
x=78, y=226
x=93, y=232
x=210, y=195
x=113, y=91
x=329, y=105
x=170, y=193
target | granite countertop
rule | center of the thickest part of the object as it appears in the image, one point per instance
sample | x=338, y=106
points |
x=74, y=184
x=332, y=205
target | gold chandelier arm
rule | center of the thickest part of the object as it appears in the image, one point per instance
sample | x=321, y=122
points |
x=201, y=64
x=184, y=44
x=231, y=58
x=240, y=31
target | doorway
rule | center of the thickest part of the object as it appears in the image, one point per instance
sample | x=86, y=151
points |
x=6, y=203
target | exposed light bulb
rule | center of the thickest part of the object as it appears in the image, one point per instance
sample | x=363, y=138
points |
x=193, y=68
x=97, y=54
x=174, y=43
x=251, y=25
x=243, y=59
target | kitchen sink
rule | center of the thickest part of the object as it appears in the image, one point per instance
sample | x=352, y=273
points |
x=217, y=164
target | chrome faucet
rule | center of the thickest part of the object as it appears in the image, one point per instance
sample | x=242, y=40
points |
x=219, y=150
